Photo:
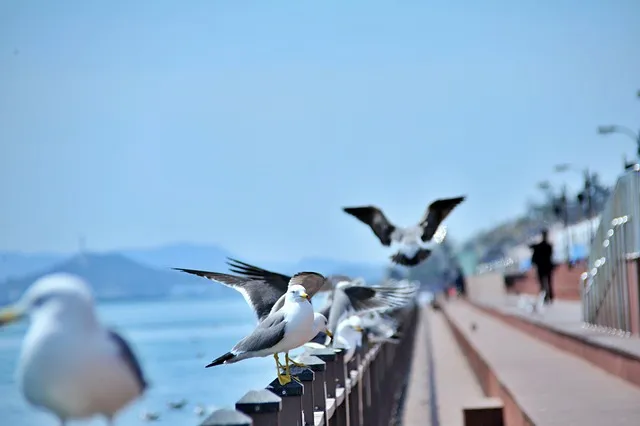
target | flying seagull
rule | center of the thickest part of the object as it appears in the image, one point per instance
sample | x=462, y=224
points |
x=411, y=239
x=264, y=294
x=70, y=364
x=283, y=330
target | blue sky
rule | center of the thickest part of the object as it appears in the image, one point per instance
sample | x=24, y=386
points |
x=250, y=124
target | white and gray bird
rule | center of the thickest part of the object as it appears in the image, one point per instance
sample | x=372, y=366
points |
x=349, y=298
x=349, y=336
x=288, y=328
x=411, y=239
x=70, y=364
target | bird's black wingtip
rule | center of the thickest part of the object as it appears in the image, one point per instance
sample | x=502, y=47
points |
x=220, y=360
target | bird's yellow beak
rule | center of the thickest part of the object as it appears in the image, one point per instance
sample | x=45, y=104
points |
x=358, y=329
x=330, y=334
x=9, y=315
x=304, y=295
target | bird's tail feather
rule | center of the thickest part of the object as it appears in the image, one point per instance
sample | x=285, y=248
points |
x=221, y=359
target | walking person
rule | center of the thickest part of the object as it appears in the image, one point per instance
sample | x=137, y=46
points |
x=542, y=258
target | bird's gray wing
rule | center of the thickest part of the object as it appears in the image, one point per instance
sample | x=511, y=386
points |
x=420, y=256
x=435, y=214
x=368, y=298
x=266, y=335
x=275, y=279
x=128, y=357
x=340, y=304
x=260, y=295
x=373, y=216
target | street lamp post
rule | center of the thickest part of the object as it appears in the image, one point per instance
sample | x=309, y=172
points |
x=561, y=168
x=606, y=130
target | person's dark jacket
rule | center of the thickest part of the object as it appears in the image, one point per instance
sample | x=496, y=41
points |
x=542, y=256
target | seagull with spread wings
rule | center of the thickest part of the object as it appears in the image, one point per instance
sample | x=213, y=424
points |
x=411, y=239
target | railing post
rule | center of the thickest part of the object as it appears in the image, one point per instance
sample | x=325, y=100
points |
x=227, y=417
x=329, y=357
x=355, y=396
x=291, y=395
x=306, y=376
x=367, y=401
x=319, y=387
x=341, y=415
x=374, y=385
x=262, y=406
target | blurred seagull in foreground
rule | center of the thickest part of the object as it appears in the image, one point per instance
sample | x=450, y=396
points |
x=71, y=365
x=411, y=239
x=283, y=330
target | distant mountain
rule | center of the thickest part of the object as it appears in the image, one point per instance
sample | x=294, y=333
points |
x=17, y=264
x=114, y=276
x=213, y=258
x=181, y=255
x=140, y=273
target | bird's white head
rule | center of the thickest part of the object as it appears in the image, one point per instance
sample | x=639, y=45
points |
x=350, y=324
x=320, y=325
x=296, y=293
x=355, y=322
x=59, y=295
x=342, y=284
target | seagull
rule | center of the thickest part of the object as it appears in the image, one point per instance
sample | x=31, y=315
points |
x=381, y=328
x=349, y=298
x=69, y=363
x=349, y=336
x=267, y=294
x=281, y=331
x=411, y=239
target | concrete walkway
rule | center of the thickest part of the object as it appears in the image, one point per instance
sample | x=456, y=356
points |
x=550, y=386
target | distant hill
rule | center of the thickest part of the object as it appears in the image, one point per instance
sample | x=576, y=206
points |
x=114, y=276
x=181, y=255
x=146, y=273
x=17, y=264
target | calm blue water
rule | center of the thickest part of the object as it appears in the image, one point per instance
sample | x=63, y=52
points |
x=174, y=341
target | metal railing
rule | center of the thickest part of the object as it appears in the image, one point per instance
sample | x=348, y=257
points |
x=605, y=287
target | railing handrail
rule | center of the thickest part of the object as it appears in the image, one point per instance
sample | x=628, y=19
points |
x=605, y=292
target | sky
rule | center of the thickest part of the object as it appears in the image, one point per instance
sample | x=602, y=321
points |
x=251, y=124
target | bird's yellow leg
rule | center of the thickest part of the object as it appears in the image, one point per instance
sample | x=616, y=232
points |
x=283, y=379
x=278, y=363
x=289, y=360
